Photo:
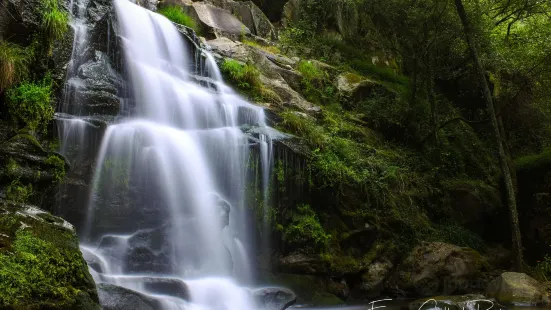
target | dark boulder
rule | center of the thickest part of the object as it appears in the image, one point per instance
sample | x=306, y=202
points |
x=274, y=298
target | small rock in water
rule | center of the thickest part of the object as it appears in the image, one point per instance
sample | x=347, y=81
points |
x=274, y=298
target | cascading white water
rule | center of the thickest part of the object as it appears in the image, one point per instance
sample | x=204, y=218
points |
x=169, y=187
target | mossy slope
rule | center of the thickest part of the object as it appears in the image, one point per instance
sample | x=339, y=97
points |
x=41, y=266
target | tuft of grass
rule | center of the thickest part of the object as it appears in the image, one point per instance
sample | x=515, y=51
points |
x=55, y=22
x=14, y=62
x=29, y=104
x=177, y=15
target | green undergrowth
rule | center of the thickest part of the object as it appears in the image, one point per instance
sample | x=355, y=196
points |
x=30, y=104
x=246, y=77
x=177, y=15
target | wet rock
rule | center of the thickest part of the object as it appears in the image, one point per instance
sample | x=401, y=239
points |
x=218, y=21
x=251, y=16
x=303, y=264
x=339, y=288
x=435, y=268
x=114, y=297
x=461, y=302
x=372, y=280
x=274, y=298
x=517, y=289
x=96, y=87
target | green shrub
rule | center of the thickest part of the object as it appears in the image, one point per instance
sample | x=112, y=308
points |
x=306, y=230
x=176, y=15
x=13, y=64
x=18, y=192
x=55, y=22
x=30, y=104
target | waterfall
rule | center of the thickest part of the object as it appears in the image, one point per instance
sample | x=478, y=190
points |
x=168, y=197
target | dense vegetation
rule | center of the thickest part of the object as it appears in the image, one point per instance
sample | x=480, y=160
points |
x=402, y=155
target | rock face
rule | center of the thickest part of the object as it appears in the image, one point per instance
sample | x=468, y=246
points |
x=372, y=280
x=356, y=88
x=114, y=297
x=274, y=298
x=41, y=265
x=250, y=15
x=270, y=68
x=518, y=289
x=435, y=267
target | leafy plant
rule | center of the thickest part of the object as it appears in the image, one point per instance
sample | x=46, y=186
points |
x=543, y=268
x=13, y=64
x=30, y=104
x=177, y=15
x=305, y=229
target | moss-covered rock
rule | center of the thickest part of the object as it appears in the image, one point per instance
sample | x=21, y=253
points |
x=41, y=266
x=435, y=267
x=517, y=289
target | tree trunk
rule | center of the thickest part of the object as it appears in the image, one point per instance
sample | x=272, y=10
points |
x=511, y=199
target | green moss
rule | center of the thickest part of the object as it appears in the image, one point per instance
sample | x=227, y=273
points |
x=58, y=166
x=42, y=267
x=12, y=167
x=177, y=15
x=305, y=229
x=14, y=62
x=534, y=162
x=29, y=104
